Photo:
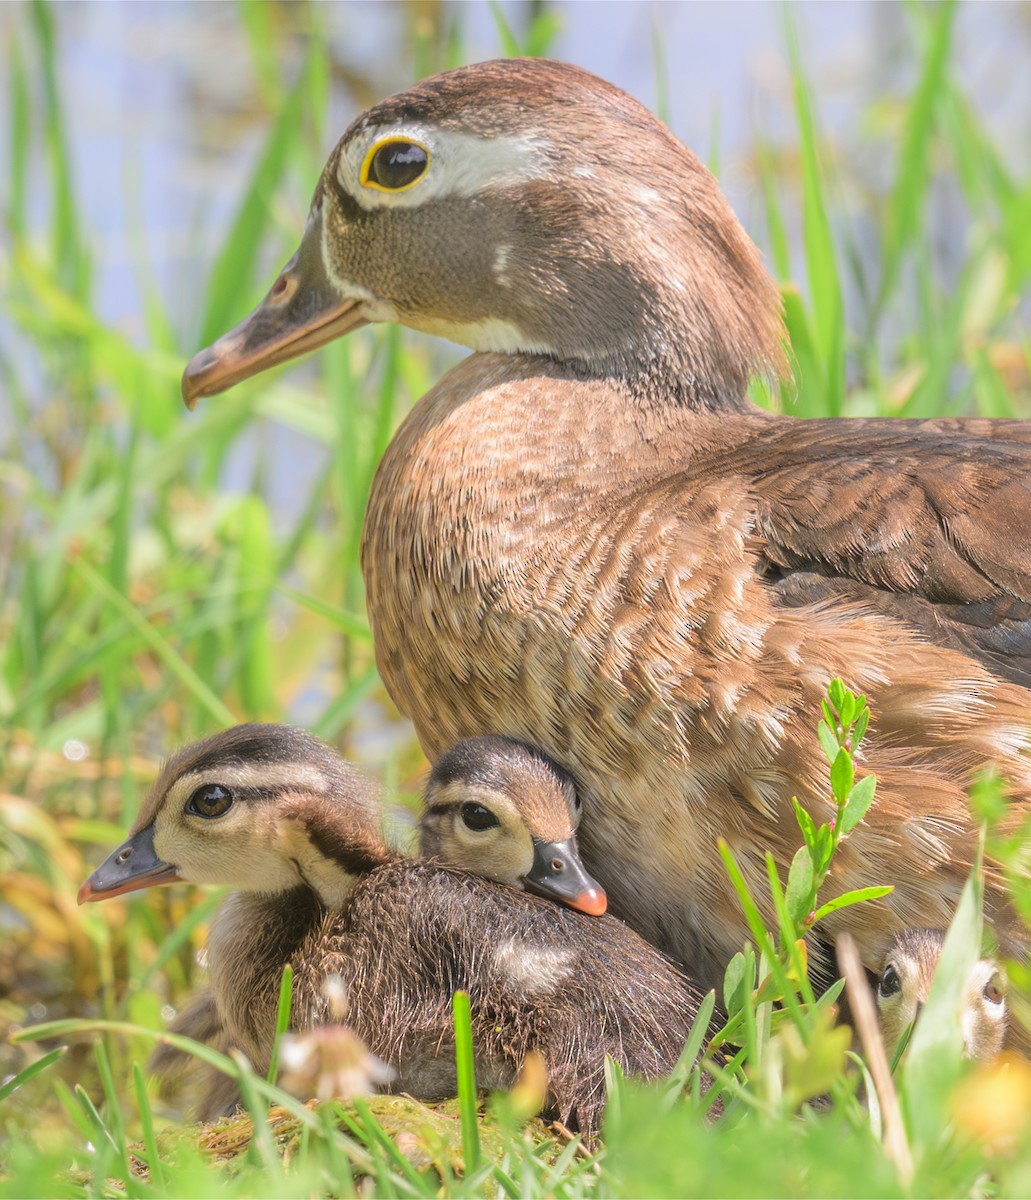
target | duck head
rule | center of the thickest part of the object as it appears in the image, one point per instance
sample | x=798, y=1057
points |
x=262, y=808
x=499, y=808
x=521, y=206
x=905, y=983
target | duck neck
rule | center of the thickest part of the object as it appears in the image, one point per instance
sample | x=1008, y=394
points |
x=327, y=853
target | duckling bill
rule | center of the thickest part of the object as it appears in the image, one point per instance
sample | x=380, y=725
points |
x=586, y=537
x=276, y=814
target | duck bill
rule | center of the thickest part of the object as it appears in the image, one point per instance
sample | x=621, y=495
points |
x=134, y=865
x=558, y=873
x=302, y=311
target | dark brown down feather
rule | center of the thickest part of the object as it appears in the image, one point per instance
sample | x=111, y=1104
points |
x=413, y=934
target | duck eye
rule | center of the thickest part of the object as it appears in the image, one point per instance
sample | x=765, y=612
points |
x=889, y=983
x=395, y=165
x=478, y=818
x=211, y=800
x=993, y=990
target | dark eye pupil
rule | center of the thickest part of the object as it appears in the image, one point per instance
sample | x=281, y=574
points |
x=211, y=800
x=397, y=164
x=477, y=817
x=890, y=982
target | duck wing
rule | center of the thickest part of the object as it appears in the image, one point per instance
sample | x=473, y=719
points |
x=926, y=521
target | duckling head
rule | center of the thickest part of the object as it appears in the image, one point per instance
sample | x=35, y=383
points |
x=263, y=808
x=905, y=983
x=499, y=808
x=522, y=206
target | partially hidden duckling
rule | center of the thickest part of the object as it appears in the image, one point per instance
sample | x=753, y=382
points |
x=276, y=814
x=504, y=810
x=905, y=983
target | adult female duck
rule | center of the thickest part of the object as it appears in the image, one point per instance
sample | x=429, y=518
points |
x=587, y=538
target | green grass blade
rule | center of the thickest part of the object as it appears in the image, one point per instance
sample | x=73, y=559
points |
x=509, y=42
x=11, y=1085
x=286, y=990
x=18, y=128
x=235, y=266
x=827, y=304
x=377, y=1136
x=178, y=666
x=914, y=167
x=466, y=1071
x=349, y=623
x=150, y=1141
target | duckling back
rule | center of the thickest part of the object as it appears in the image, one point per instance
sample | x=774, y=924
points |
x=540, y=976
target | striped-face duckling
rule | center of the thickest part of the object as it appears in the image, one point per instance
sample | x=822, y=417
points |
x=905, y=983
x=278, y=815
x=499, y=808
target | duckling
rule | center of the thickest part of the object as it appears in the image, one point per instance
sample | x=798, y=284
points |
x=587, y=538
x=275, y=813
x=503, y=810
x=905, y=983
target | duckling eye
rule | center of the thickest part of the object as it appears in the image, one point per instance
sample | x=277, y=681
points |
x=478, y=818
x=211, y=800
x=889, y=983
x=394, y=165
x=993, y=990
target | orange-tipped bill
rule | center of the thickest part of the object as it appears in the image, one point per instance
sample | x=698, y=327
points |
x=302, y=311
x=132, y=866
x=558, y=873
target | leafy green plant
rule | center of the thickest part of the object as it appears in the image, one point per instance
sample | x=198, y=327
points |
x=767, y=992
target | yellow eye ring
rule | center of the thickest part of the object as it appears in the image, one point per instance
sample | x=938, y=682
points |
x=394, y=164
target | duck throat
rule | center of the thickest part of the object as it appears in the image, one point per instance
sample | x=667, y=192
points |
x=328, y=864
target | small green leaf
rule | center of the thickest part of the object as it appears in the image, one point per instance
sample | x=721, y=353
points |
x=831, y=717
x=805, y=823
x=734, y=985
x=837, y=692
x=848, y=898
x=847, y=709
x=827, y=740
x=987, y=799
x=824, y=848
x=859, y=801
x=800, y=886
x=860, y=730
x=842, y=775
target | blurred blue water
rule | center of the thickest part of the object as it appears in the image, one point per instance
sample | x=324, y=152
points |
x=165, y=121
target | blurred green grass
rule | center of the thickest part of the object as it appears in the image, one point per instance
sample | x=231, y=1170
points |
x=141, y=605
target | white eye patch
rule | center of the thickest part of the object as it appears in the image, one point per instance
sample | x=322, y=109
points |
x=461, y=164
